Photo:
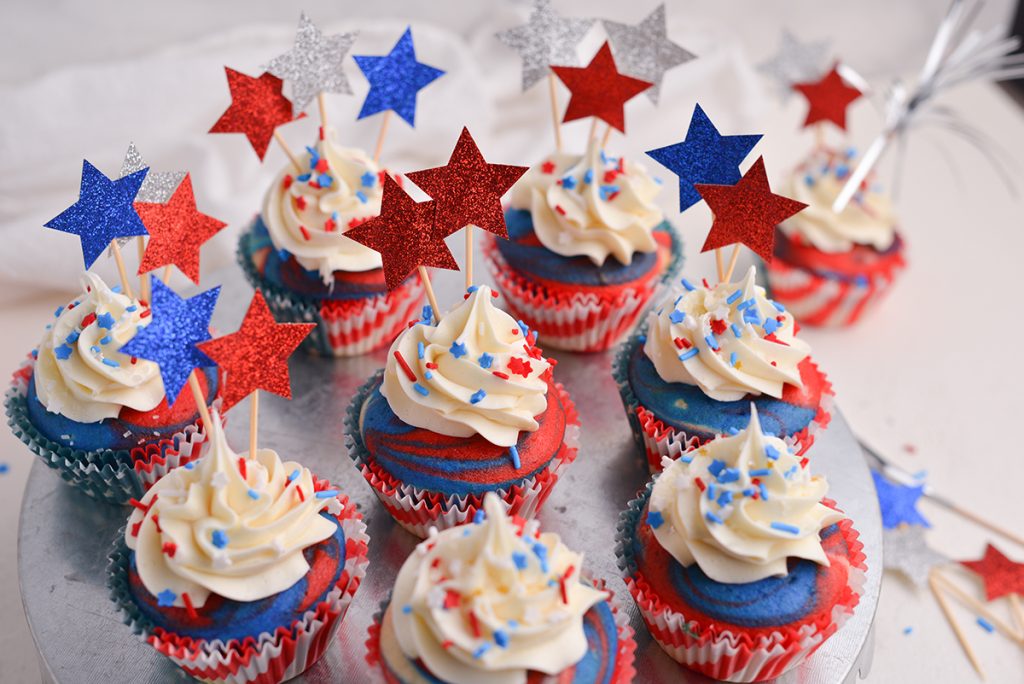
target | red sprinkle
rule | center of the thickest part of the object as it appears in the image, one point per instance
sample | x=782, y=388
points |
x=405, y=366
x=305, y=233
x=803, y=462
x=321, y=165
x=447, y=643
x=503, y=376
x=474, y=625
x=561, y=588
x=431, y=365
x=189, y=608
x=682, y=343
x=700, y=484
x=609, y=176
x=452, y=599
x=156, y=521
x=329, y=225
x=559, y=209
x=494, y=294
x=287, y=181
x=169, y=548
x=138, y=504
x=705, y=281
x=321, y=132
x=241, y=467
x=88, y=320
x=302, y=497
x=774, y=364
x=134, y=360
x=300, y=202
x=547, y=167
x=135, y=528
x=718, y=326
x=146, y=313
x=356, y=222
x=515, y=331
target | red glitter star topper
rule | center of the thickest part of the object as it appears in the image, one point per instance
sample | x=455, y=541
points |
x=405, y=234
x=746, y=212
x=257, y=108
x=468, y=190
x=828, y=98
x=599, y=89
x=256, y=356
x=177, y=231
x=1001, y=575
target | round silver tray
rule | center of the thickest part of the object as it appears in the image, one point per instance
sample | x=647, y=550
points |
x=64, y=536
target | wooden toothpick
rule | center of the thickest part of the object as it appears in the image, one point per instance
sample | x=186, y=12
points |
x=469, y=256
x=977, y=606
x=732, y=263
x=197, y=396
x=380, y=136
x=126, y=284
x=553, y=92
x=719, y=266
x=954, y=625
x=322, y=106
x=425, y=279
x=140, y=244
x=607, y=135
x=254, y=421
x=288, y=151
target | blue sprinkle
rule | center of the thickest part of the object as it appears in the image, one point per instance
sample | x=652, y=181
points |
x=712, y=491
x=604, y=157
x=334, y=216
x=406, y=609
x=471, y=289
x=687, y=284
x=111, y=362
x=729, y=475
x=678, y=299
x=58, y=312
x=749, y=491
x=116, y=288
x=166, y=598
x=733, y=358
x=419, y=349
x=304, y=177
x=458, y=349
x=427, y=375
x=131, y=308
x=190, y=465
x=325, y=180
x=513, y=451
x=519, y=558
x=851, y=152
x=734, y=296
x=770, y=326
x=106, y=320
x=778, y=307
x=641, y=338
x=294, y=475
x=481, y=649
x=785, y=527
x=428, y=314
x=655, y=519
x=986, y=625
x=861, y=280
x=712, y=342
x=72, y=337
x=689, y=354
x=525, y=329
x=420, y=388
x=219, y=538
x=607, y=191
x=737, y=331
x=479, y=516
x=362, y=196
x=588, y=177
x=791, y=472
x=748, y=303
x=725, y=498
x=763, y=490
x=716, y=467
x=677, y=316
x=908, y=630
x=734, y=431
x=368, y=179
x=841, y=171
x=4, y=468
x=760, y=472
x=485, y=360
x=477, y=396
x=751, y=316
x=712, y=517
x=569, y=183
x=63, y=352
x=253, y=494
x=809, y=180
x=105, y=339
x=501, y=638
x=327, y=494
x=771, y=452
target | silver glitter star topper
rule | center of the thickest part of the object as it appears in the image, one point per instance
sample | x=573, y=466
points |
x=546, y=38
x=644, y=51
x=795, y=62
x=905, y=551
x=314, y=65
x=156, y=188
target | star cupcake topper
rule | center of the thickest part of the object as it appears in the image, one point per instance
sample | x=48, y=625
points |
x=395, y=79
x=599, y=89
x=546, y=38
x=898, y=502
x=795, y=62
x=645, y=51
x=1002, y=576
x=828, y=98
x=906, y=551
x=257, y=108
x=158, y=186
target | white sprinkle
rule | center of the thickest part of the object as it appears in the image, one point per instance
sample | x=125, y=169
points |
x=335, y=507
x=221, y=560
x=435, y=597
x=219, y=480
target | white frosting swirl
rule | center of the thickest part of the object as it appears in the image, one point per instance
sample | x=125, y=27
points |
x=868, y=219
x=739, y=507
x=309, y=219
x=79, y=371
x=730, y=341
x=209, y=529
x=522, y=592
x=591, y=205
x=475, y=374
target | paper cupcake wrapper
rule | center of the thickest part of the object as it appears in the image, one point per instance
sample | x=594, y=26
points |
x=417, y=510
x=661, y=441
x=583, y=322
x=718, y=652
x=625, y=659
x=111, y=476
x=343, y=328
x=271, y=657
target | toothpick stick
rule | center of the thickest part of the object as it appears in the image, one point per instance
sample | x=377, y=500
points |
x=954, y=625
x=819, y=135
x=254, y=421
x=553, y=91
x=140, y=244
x=287, y=150
x=607, y=134
x=719, y=265
x=977, y=606
x=469, y=257
x=732, y=262
x=380, y=136
x=984, y=523
x=166, y=277
x=1018, y=613
x=197, y=395
x=593, y=129
x=126, y=284
x=322, y=105
x=425, y=279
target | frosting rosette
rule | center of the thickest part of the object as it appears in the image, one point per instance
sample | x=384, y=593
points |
x=80, y=373
x=230, y=525
x=476, y=372
x=307, y=213
x=591, y=205
x=730, y=340
x=490, y=601
x=867, y=219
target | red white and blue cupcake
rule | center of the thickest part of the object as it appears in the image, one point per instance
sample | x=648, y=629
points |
x=96, y=415
x=496, y=601
x=587, y=249
x=297, y=254
x=704, y=355
x=462, y=408
x=239, y=568
x=740, y=566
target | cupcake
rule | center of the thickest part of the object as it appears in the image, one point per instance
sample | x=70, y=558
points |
x=463, y=408
x=704, y=355
x=830, y=268
x=297, y=254
x=239, y=568
x=97, y=416
x=495, y=601
x=740, y=567
x=587, y=248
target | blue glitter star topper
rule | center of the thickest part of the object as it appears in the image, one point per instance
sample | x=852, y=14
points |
x=705, y=156
x=170, y=340
x=395, y=79
x=104, y=211
x=898, y=502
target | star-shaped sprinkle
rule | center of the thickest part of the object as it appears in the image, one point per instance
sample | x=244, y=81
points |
x=704, y=156
x=158, y=185
x=395, y=78
x=169, y=341
x=257, y=108
x=546, y=38
x=256, y=356
x=1001, y=575
x=458, y=349
x=314, y=65
x=599, y=89
x=905, y=551
x=166, y=598
x=828, y=98
x=898, y=502
x=104, y=211
x=645, y=51
x=747, y=212
x=794, y=62
x=405, y=234
x=468, y=190
x=177, y=231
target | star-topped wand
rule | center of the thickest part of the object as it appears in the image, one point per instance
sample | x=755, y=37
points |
x=827, y=100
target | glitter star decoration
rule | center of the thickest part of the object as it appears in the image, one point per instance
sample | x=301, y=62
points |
x=395, y=78
x=177, y=231
x=1001, y=575
x=705, y=156
x=104, y=211
x=468, y=190
x=546, y=38
x=905, y=551
x=794, y=62
x=169, y=341
x=645, y=51
x=256, y=356
x=314, y=64
x=158, y=185
x=405, y=234
x=257, y=108
x=828, y=98
x=747, y=212
x=599, y=89
x=898, y=502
